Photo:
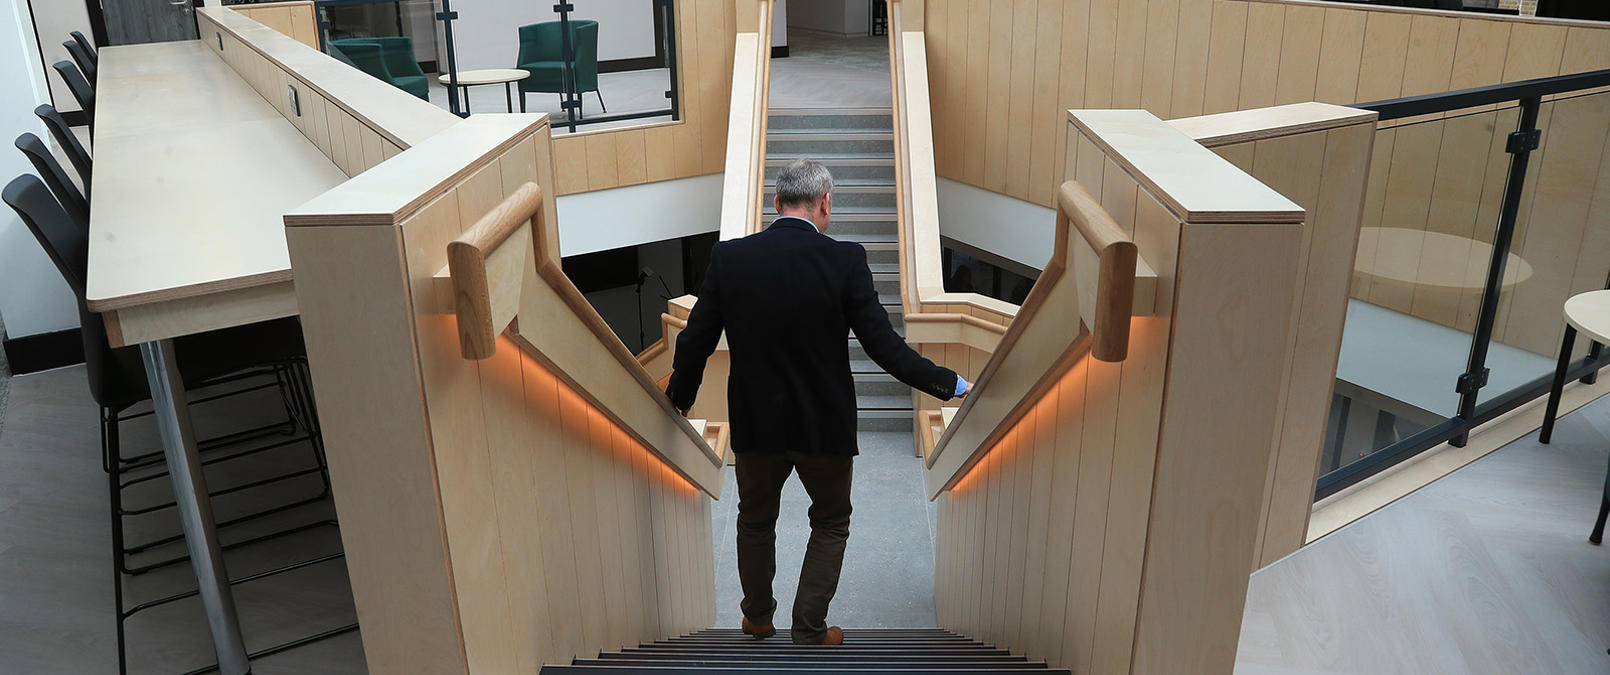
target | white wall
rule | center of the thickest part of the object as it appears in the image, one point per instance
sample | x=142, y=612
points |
x=33, y=297
x=486, y=34
x=1014, y=229
x=620, y=217
x=54, y=20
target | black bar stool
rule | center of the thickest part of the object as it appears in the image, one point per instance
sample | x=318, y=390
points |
x=80, y=88
x=117, y=383
x=81, y=57
x=49, y=169
x=87, y=46
x=63, y=133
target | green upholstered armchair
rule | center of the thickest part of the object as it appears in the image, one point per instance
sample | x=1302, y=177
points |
x=390, y=59
x=541, y=55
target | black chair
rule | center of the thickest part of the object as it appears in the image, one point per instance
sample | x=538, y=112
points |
x=76, y=205
x=87, y=46
x=117, y=383
x=63, y=133
x=86, y=64
x=80, y=88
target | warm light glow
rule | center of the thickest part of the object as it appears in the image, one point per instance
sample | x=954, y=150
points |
x=567, y=415
x=1042, y=414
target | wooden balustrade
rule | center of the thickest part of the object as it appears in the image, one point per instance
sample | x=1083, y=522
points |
x=536, y=502
x=743, y=184
x=1091, y=512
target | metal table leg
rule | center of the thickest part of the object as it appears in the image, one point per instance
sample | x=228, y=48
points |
x=508, y=95
x=195, y=509
x=1552, y=409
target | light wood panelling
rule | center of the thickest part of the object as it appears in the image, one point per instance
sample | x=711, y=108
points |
x=1318, y=156
x=1048, y=533
x=525, y=514
x=693, y=146
x=354, y=119
x=298, y=20
x=1178, y=58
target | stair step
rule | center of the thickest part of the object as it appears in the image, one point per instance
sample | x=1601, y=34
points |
x=890, y=403
x=859, y=134
x=833, y=159
x=902, y=663
x=877, y=213
x=848, y=184
x=871, y=242
x=853, y=632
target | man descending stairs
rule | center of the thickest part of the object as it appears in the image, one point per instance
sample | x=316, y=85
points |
x=868, y=651
x=857, y=145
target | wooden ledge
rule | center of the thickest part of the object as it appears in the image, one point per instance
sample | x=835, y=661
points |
x=1242, y=126
x=1197, y=186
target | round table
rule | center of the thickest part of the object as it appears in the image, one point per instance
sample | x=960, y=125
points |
x=1421, y=258
x=1589, y=314
x=471, y=78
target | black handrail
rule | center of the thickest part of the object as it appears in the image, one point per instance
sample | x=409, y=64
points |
x=1410, y=106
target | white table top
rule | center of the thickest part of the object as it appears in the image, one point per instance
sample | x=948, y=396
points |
x=468, y=78
x=1590, y=313
x=193, y=171
x=1427, y=258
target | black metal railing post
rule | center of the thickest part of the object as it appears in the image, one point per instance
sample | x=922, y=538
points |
x=447, y=16
x=568, y=100
x=674, y=93
x=1521, y=143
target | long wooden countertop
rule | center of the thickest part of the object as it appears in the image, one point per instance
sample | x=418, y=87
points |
x=193, y=171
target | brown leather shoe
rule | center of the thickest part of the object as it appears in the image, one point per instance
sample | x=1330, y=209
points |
x=759, y=632
x=834, y=637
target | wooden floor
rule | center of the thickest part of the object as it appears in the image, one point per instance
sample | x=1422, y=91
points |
x=1487, y=570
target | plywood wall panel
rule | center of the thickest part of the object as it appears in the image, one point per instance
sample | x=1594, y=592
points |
x=1342, y=51
x=1260, y=59
x=1157, y=71
x=1300, y=42
x=1191, y=56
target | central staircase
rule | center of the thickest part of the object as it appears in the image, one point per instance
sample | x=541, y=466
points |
x=857, y=145
x=868, y=651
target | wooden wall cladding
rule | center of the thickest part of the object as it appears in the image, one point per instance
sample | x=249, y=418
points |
x=494, y=519
x=1317, y=155
x=297, y=19
x=1096, y=533
x=997, y=68
x=695, y=146
x=354, y=119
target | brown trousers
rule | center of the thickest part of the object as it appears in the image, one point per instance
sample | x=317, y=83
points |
x=760, y=485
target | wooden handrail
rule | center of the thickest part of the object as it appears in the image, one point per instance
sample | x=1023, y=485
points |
x=743, y=180
x=491, y=268
x=1105, y=271
x=486, y=277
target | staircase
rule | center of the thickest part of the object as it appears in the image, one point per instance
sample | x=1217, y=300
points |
x=868, y=651
x=857, y=145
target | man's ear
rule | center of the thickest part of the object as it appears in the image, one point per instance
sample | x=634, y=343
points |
x=777, y=204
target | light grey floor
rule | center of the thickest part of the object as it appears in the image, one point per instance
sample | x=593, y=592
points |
x=56, y=611
x=1416, y=361
x=888, y=574
x=5, y=377
x=1486, y=571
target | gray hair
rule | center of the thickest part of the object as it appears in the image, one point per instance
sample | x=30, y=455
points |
x=804, y=182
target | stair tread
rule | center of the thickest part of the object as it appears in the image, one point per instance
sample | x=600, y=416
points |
x=780, y=158
x=802, y=112
x=878, y=402
x=832, y=131
x=848, y=182
x=850, y=210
